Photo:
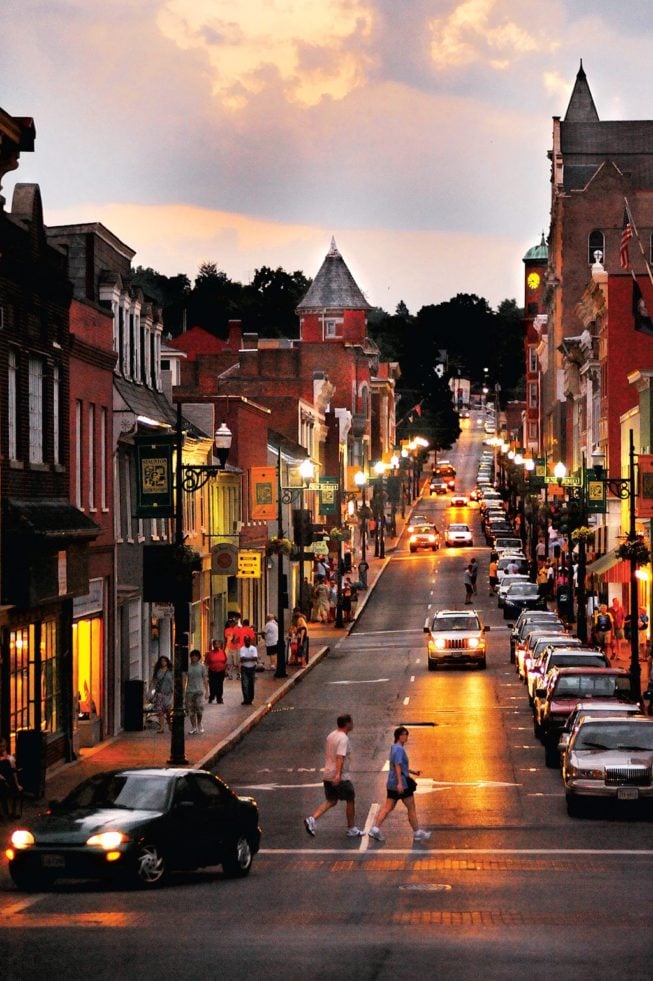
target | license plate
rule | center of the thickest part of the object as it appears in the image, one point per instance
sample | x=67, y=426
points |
x=53, y=861
x=627, y=793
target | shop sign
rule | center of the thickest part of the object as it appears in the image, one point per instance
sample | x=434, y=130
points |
x=249, y=564
x=595, y=496
x=328, y=488
x=224, y=559
x=644, y=500
x=154, y=476
x=93, y=602
x=264, y=501
x=320, y=548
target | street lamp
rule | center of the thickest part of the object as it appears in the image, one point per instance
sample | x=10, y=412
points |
x=560, y=472
x=189, y=479
x=306, y=471
x=379, y=509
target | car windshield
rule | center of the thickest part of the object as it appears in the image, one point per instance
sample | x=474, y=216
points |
x=458, y=527
x=462, y=622
x=145, y=792
x=597, y=686
x=522, y=589
x=615, y=735
x=424, y=530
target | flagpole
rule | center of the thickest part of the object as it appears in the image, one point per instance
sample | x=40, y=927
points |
x=639, y=241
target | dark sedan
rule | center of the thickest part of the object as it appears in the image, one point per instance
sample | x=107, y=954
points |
x=137, y=825
x=522, y=596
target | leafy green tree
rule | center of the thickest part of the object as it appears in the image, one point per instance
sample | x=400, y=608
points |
x=270, y=301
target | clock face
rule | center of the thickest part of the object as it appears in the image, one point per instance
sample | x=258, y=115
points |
x=533, y=280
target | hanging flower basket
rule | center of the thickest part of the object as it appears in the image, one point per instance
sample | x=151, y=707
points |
x=187, y=557
x=338, y=534
x=582, y=534
x=365, y=513
x=637, y=550
x=278, y=546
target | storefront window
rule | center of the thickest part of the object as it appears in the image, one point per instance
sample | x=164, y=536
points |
x=87, y=666
x=21, y=680
x=50, y=680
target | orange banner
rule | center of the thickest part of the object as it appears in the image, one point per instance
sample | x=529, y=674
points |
x=263, y=483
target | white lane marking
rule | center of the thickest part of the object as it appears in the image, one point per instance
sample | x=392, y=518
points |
x=368, y=681
x=369, y=823
x=22, y=905
x=406, y=699
x=412, y=677
x=418, y=661
x=638, y=853
x=428, y=607
x=277, y=786
x=374, y=633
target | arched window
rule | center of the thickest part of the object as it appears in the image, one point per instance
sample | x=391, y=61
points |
x=595, y=242
x=365, y=393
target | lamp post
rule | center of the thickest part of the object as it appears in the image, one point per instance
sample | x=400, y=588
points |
x=306, y=471
x=188, y=479
x=361, y=481
x=379, y=508
x=625, y=489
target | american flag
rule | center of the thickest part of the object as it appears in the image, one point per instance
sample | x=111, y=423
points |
x=626, y=235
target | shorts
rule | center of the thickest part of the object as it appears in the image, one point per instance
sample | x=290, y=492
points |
x=602, y=636
x=194, y=702
x=619, y=633
x=395, y=795
x=339, y=791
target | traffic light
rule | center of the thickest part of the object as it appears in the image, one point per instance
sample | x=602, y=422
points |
x=302, y=524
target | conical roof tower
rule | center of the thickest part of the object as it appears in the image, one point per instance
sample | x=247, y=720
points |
x=581, y=108
x=334, y=287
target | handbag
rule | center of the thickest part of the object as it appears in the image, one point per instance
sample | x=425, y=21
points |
x=411, y=786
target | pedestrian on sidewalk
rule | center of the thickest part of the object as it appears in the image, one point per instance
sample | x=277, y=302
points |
x=400, y=786
x=163, y=684
x=467, y=583
x=473, y=568
x=232, y=644
x=216, y=665
x=493, y=577
x=602, y=628
x=248, y=659
x=197, y=689
x=270, y=635
x=336, y=785
x=618, y=616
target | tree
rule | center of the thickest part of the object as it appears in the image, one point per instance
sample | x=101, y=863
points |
x=170, y=292
x=271, y=299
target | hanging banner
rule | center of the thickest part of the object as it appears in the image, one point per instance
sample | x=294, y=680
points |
x=154, y=476
x=263, y=484
x=249, y=564
x=595, y=496
x=644, y=501
x=537, y=476
x=328, y=495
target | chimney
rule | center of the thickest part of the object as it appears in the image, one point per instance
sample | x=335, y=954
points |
x=234, y=336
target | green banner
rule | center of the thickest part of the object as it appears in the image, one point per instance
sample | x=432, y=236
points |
x=595, y=495
x=328, y=495
x=154, y=476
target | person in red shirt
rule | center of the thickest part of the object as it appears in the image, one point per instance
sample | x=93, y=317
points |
x=216, y=665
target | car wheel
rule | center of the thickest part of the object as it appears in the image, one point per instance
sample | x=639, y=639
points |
x=151, y=866
x=482, y=664
x=432, y=664
x=512, y=657
x=435, y=548
x=238, y=860
x=575, y=806
x=552, y=755
x=537, y=729
x=413, y=550
x=30, y=881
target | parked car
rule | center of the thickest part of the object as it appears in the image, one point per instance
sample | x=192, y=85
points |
x=528, y=650
x=526, y=620
x=608, y=758
x=438, y=487
x=424, y=536
x=458, y=535
x=566, y=686
x=568, y=655
x=506, y=581
x=417, y=520
x=508, y=559
x=597, y=710
x=521, y=596
x=137, y=825
x=455, y=637
x=506, y=543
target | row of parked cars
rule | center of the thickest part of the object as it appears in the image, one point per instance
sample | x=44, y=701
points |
x=585, y=712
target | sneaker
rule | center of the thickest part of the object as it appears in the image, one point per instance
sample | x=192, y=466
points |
x=376, y=834
x=309, y=824
x=200, y=729
x=193, y=732
x=354, y=832
x=421, y=835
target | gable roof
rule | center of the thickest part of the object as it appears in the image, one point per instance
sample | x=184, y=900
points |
x=198, y=341
x=334, y=287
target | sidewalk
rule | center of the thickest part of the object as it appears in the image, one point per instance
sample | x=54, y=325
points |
x=224, y=725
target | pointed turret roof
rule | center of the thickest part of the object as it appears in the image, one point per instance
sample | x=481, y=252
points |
x=581, y=108
x=334, y=287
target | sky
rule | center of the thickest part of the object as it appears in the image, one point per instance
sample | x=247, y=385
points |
x=248, y=132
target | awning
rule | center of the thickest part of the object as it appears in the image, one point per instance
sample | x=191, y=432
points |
x=49, y=519
x=610, y=566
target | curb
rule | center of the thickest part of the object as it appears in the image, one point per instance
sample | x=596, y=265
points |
x=252, y=720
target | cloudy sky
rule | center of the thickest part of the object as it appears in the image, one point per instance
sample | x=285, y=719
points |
x=247, y=132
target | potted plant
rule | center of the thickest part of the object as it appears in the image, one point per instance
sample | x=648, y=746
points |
x=278, y=546
x=634, y=549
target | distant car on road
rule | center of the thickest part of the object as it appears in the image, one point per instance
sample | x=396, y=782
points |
x=438, y=487
x=424, y=536
x=137, y=825
x=458, y=534
x=459, y=501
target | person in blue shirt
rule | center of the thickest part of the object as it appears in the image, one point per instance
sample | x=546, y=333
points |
x=400, y=786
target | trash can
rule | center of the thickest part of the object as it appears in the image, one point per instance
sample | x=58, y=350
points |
x=134, y=701
x=564, y=602
x=30, y=760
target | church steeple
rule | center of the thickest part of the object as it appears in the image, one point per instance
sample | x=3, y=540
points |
x=581, y=108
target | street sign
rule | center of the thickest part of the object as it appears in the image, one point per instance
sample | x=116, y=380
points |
x=249, y=564
x=320, y=548
x=564, y=481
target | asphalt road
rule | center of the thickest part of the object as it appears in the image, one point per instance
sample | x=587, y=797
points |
x=508, y=886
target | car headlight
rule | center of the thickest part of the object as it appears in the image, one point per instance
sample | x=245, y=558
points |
x=107, y=840
x=474, y=642
x=430, y=538
x=585, y=773
x=439, y=643
x=21, y=838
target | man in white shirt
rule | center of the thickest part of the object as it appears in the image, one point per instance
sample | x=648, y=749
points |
x=248, y=658
x=270, y=634
x=336, y=786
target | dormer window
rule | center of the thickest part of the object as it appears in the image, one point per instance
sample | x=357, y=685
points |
x=595, y=243
x=330, y=328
